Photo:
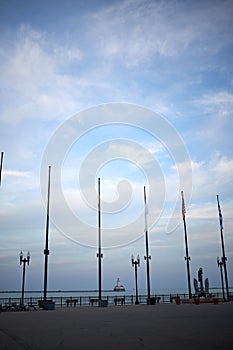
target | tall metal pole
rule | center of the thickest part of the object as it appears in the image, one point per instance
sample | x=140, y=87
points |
x=224, y=258
x=220, y=263
x=99, y=254
x=187, y=257
x=46, y=250
x=147, y=257
x=1, y=162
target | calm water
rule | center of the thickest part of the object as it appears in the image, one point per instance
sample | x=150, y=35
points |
x=94, y=293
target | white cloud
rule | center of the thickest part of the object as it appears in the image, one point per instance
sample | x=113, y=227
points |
x=219, y=103
x=137, y=31
x=26, y=62
x=213, y=176
x=148, y=32
x=31, y=71
x=17, y=173
x=64, y=54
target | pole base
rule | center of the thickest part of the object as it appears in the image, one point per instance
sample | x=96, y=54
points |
x=103, y=303
x=151, y=301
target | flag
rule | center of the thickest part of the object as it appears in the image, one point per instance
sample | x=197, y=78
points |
x=146, y=207
x=146, y=210
x=1, y=167
x=220, y=214
x=183, y=205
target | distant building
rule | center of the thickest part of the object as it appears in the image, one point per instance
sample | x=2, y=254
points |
x=119, y=287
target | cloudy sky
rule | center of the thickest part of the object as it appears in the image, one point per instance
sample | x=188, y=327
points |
x=138, y=93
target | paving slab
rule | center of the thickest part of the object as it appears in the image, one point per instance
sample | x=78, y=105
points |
x=160, y=326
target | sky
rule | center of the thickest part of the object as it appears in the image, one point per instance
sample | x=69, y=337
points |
x=139, y=94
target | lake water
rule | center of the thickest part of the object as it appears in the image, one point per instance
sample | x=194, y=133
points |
x=94, y=293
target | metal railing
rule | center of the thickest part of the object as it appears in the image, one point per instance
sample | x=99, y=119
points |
x=14, y=304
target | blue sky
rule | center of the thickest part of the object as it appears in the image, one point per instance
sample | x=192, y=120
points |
x=138, y=93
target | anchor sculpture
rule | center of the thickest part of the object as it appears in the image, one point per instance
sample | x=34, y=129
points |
x=200, y=290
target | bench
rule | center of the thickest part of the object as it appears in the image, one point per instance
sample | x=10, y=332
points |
x=93, y=301
x=120, y=300
x=71, y=302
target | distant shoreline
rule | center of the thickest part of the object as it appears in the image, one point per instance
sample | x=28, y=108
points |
x=57, y=291
x=159, y=291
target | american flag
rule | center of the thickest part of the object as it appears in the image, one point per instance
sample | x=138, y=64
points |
x=183, y=205
x=220, y=214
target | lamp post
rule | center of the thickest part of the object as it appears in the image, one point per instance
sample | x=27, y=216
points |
x=24, y=261
x=220, y=264
x=136, y=264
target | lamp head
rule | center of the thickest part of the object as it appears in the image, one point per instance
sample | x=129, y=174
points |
x=132, y=259
x=28, y=257
x=21, y=257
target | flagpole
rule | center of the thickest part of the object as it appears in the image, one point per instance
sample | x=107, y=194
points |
x=99, y=254
x=1, y=167
x=224, y=258
x=187, y=257
x=147, y=257
x=46, y=250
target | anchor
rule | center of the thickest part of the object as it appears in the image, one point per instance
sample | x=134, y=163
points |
x=200, y=290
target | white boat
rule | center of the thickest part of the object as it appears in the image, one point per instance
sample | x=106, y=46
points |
x=119, y=287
